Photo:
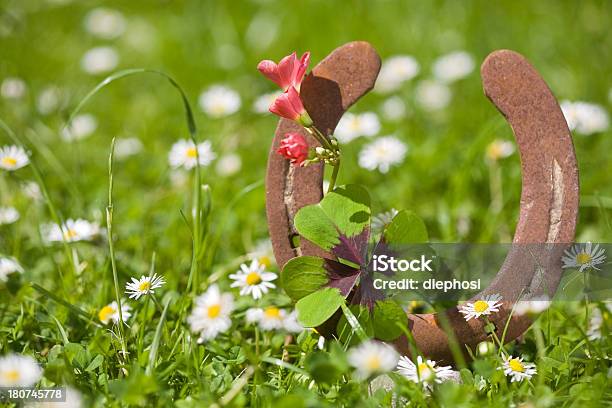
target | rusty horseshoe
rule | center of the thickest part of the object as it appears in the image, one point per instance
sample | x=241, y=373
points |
x=549, y=196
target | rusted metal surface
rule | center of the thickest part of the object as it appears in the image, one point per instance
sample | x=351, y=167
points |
x=549, y=196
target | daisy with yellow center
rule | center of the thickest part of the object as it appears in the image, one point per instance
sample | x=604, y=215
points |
x=517, y=369
x=143, y=286
x=371, y=358
x=19, y=371
x=263, y=253
x=110, y=312
x=584, y=256
x=211, y=313
x=425, y=372
x=499, y=149
x=13, y=158
x=483, y=307
x=274, y=318
x=253, y=279
x=71, y=231
x=185, y=154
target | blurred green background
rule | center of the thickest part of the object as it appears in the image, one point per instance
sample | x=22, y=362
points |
x=445, y=177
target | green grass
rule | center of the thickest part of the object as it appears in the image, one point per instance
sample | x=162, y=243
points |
x=51, y=310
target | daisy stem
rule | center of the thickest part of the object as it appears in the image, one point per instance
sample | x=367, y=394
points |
x=257, y=341
x=109, y=231
x=493, y=335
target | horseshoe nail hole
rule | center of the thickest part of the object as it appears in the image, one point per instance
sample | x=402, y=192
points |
x=294, y=241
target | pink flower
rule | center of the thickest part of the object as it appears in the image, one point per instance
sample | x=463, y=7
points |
x=294, y=147
x=288, y=73
x=289, y=105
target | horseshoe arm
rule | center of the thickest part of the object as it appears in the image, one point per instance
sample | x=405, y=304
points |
x=548, y=207
x=334, y=85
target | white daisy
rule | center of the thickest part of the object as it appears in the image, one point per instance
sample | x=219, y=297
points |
x=274, y=318
x=99, y=60
x=32, y=190
x=584, y=256
x=110, y=312
x=13, y=158
x=381, y=220
x=499, y=149
x=211, y=313
x=8, y=215
x=7, y=267
x=489, y=304
x=517, y=369
x=584, y=117
x=253, y=280
x=48, y=100
x=453, y=66
x=105, y=23
x=393, y=108
x=263, y=253
x=218, y=101
x=596, y=321
x=424, y=371
x=126, y=147
x=262, y=103
x=383, y=153
x=228, y=164
x=532, y=306
x=13, y=88
x=353, y=125
x=143, y=286
x=81, y=127
x=19, y=371
x=71, y=231
x=372, y=357
x=183, y=154
x=432, y=95
x=395, y=71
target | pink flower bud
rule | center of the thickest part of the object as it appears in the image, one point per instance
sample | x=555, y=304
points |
x=294, y=147
x=288, y=73
x=289, y=105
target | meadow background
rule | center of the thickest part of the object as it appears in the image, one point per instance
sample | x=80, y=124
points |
x=445, y=177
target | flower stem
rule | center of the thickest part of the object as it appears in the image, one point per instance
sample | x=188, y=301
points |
x=334, y=176
x=109, y=231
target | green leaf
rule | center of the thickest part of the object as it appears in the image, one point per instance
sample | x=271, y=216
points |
x=303, y=275
x=406, y=228
x=361, y=327
x=386, y=315
x=95, y=363
x=314, y=309
x=322, y=367
x=344, y=211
